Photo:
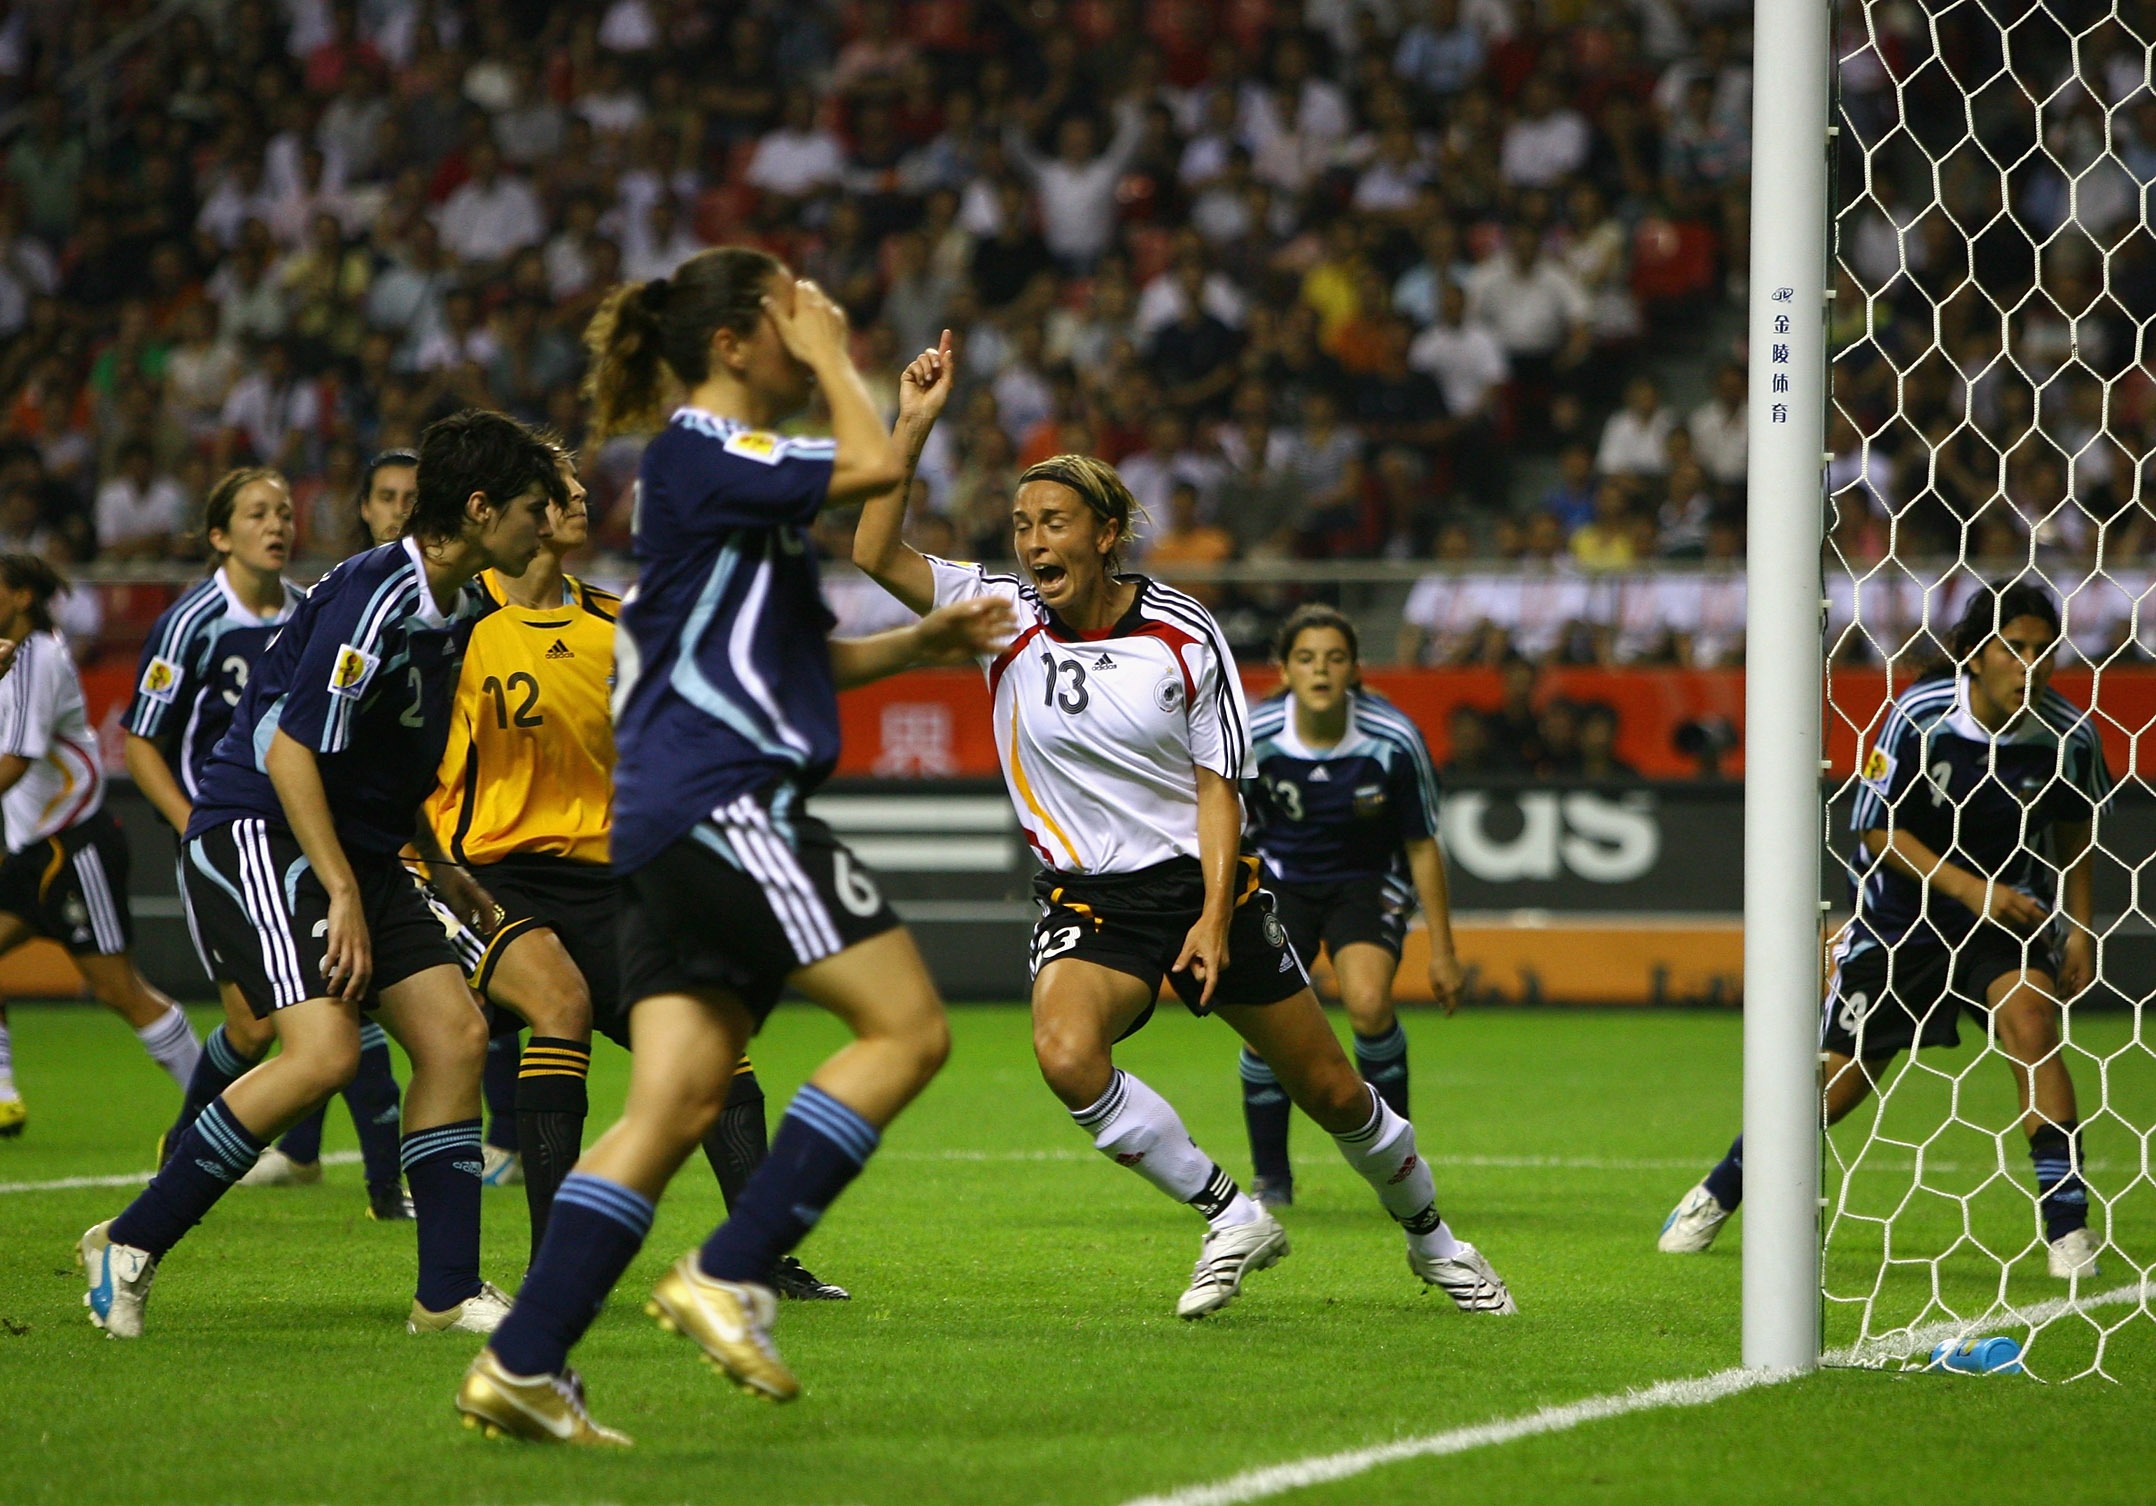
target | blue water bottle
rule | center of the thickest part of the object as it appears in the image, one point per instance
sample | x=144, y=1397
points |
x=1997, y=1355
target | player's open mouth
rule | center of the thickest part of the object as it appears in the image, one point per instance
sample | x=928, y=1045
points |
x=1048, y=577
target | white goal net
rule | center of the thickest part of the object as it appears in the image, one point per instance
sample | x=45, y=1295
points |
x=1992, y=418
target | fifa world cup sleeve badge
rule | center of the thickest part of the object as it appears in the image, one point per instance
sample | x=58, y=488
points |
x=1878, y=767
x=354, y=667
x=161, y=680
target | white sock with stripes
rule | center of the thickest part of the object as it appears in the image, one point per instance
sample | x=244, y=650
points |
x=1135, y=1127
x=7, y=1060
x=171, y=1042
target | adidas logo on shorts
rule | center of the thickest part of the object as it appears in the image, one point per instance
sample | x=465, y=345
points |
x=560, y=650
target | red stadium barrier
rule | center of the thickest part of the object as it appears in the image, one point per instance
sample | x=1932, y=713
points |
x=934, y=722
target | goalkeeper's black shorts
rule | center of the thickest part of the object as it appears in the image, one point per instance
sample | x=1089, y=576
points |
x=1887, y=998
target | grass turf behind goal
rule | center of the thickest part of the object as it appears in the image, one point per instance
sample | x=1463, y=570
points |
x=1012, y=1337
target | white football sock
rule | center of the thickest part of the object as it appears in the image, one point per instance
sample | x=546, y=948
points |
x=1383, y=1151
x=1135, y=1127
x=7, y=1062
x=170, y=1040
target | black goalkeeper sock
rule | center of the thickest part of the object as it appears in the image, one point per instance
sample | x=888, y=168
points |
x=1382, y=1061
x=737, y=1141
x=551, y=1105
x=1265, y=1113
x=2060, y=1193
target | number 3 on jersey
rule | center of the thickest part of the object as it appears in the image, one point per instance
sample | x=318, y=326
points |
x=1071, y=698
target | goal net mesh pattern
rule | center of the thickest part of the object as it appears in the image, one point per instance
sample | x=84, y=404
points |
x=1992, y=417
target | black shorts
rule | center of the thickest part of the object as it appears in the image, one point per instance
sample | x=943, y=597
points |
x=1136, y=923
x=72, y=887
x=742, y=902
x=581, y=904
x=1368, y=911
x=1885, y=999
x=264, y=916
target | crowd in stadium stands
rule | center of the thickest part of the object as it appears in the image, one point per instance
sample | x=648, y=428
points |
x=1993, y=397
x=1312, y=272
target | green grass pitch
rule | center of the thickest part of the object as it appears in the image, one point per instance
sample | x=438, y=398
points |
x=1013, y=1338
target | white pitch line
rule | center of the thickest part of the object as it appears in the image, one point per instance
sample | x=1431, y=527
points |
x=1301, y=1474
x=137, y=1178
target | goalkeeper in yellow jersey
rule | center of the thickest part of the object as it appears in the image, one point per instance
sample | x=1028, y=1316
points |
x=1974, y=825
x=521, y=818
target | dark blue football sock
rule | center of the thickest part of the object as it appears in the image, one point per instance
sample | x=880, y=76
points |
x=441, y=1170
x=372, y=1095
x=498, y=1084
x=1726, y=1181
x=303, y=1141
x=820, y=1147
x=594, y=1232
x=218, y=1068
x=209, y=1156
x=2061, y=1194
x=1382, y=1061
x=1265, y=1113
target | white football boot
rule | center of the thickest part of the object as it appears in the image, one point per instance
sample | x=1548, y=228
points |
x=1692, y=1224
x=1468, y=1278
x=2073, y=1254
x=119, y=1277
x=480, y=1313
x=1225, y=1258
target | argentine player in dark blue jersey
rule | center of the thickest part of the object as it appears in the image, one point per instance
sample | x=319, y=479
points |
x=1343, y=812
x=193, y=668
x=726, y=720
x=1971, y=881
x=293, y=873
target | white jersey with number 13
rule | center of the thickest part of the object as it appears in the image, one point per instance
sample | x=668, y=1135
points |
x=1101, y=734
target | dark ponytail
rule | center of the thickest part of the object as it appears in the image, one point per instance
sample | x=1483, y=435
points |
x=649, y=338
x=28, y=572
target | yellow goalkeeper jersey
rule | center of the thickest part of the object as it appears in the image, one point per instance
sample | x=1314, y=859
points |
x=530, y=763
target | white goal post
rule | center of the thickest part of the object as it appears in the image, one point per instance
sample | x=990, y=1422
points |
x=1784, y=675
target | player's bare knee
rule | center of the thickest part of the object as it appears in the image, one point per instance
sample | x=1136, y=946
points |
x=1332, y=1095
x=1072, y=1063
x=320, y=1066
x=2027, y=1025
x=1370, y=1014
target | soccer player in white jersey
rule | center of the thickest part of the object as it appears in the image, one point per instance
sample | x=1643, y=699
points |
x=65, y=874
x=1123, y=735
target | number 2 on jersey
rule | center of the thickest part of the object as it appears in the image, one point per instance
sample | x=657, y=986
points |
x=1073, y=697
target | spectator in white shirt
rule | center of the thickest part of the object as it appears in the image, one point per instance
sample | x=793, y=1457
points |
x=1717, y=426
x=1547, y=142
x=1454, y=617
x=1464, y=357
x=666, y=241
x=459, y=338
x=1635, y=439
x=799, y=159
x=1537, y=310
x=139, y=513
x=493, y=214
x=1076, y=187
x=270, y=411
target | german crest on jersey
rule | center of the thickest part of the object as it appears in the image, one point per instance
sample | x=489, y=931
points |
x=161, y=680
x=1168, y=694
x=348, y=677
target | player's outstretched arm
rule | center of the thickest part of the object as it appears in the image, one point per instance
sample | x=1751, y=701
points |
x=297, y=777
x=879, y=543
x=1426, y=862
x=957, y=634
